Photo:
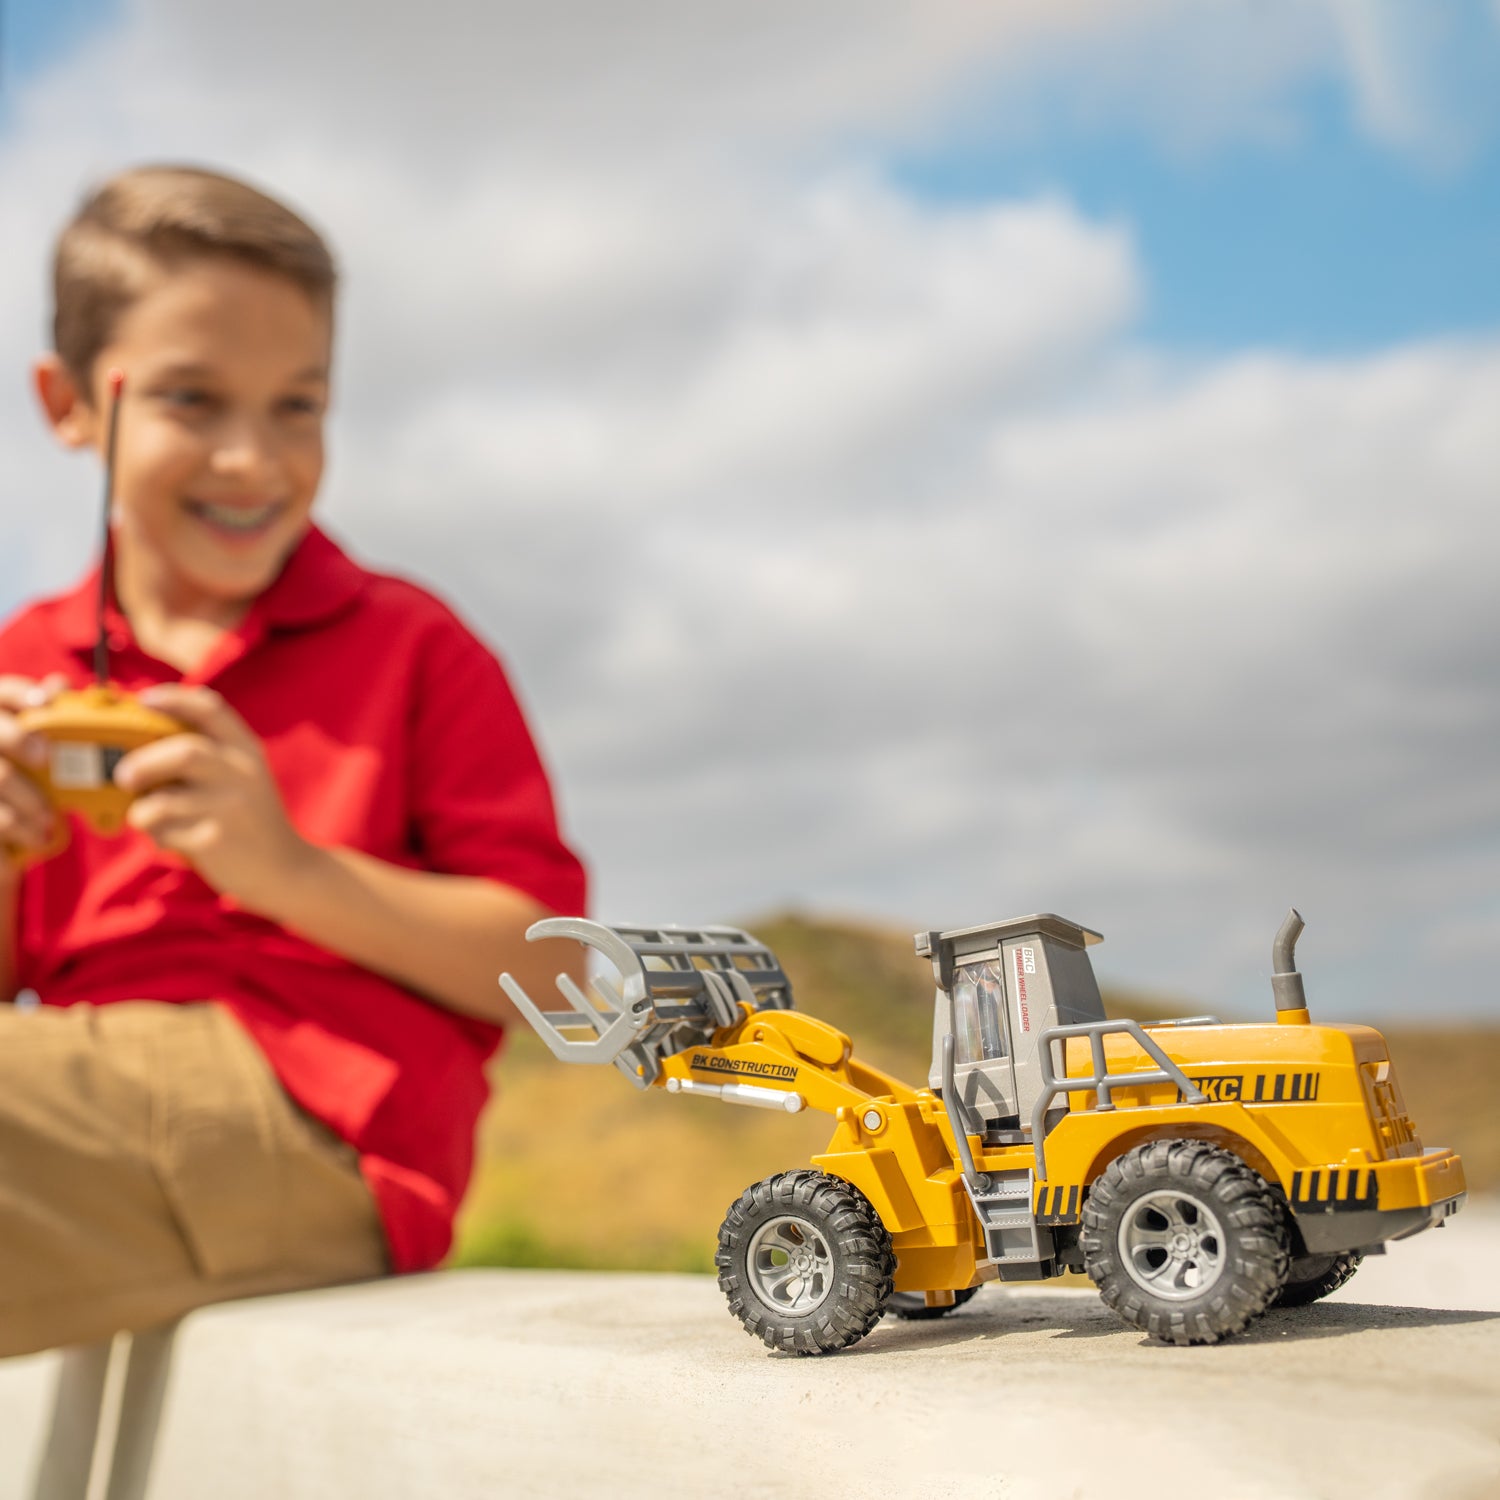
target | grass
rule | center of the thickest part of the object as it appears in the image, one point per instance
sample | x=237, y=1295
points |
x=520, y=1242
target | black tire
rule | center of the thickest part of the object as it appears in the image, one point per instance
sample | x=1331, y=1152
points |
x=913, y=1305
x=1314, y=1276
x=1184, y=1241
x=805, y=1262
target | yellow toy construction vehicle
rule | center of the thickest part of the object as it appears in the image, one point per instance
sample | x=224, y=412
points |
x=1199, y=1173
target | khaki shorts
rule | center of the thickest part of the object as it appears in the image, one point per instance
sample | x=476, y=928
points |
x=150, y=1162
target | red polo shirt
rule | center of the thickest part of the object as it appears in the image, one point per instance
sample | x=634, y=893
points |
x=389, y=729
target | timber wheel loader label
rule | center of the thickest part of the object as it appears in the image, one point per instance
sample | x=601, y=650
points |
x=1199, y=1173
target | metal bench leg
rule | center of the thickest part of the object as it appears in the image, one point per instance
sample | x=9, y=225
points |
x=68, y=1458
x=142, y=1392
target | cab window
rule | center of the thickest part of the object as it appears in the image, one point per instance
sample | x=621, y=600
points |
x=979, y=1012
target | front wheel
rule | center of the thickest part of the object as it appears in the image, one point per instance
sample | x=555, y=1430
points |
x=1184, y=1241
x=805, y=1262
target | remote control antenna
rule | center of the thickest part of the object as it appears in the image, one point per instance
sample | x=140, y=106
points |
x=101, y=640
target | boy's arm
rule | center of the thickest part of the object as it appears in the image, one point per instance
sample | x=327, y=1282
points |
x=446, y=936
x=210, y=797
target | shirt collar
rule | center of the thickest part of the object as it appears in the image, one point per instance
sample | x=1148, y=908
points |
x=317, y=582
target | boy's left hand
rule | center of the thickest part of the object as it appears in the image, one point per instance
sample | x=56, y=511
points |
x=209, y=796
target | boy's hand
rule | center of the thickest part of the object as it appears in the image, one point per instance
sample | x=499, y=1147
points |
x=209, y=796
x=26, y=819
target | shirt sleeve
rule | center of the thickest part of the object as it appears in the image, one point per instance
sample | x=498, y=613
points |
x=480, y=800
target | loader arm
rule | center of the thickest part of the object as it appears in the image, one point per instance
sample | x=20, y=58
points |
x=699, y=1011
x=780, y=1060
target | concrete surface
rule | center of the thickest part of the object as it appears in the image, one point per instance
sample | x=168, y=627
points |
x=560, y=1384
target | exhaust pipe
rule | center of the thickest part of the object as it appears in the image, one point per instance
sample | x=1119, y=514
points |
x=1286, y=982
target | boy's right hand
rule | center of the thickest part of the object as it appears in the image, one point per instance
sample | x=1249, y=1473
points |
x=26, y=820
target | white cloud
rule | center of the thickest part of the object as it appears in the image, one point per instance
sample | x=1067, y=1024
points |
x=1400, y=61
x=1227, y=645
x=848, y=548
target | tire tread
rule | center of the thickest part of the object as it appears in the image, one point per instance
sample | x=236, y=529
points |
x=865, y=1264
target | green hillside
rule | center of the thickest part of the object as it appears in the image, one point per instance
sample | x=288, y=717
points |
x=579, y=1169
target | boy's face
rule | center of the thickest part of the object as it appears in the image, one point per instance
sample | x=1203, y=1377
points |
x=221, y=431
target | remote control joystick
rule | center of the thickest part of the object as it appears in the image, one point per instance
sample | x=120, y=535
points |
x=89, y=730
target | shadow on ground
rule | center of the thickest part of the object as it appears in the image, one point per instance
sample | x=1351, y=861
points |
x=1074, y=1317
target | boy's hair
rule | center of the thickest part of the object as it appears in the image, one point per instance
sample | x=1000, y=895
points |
x=156, y=216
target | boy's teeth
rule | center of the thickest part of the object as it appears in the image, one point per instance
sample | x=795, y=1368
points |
x=235, y=517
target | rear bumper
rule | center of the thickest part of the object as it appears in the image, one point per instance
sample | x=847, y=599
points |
x=1353, y=1208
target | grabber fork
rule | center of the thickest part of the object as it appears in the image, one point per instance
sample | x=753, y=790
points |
x=676, y=987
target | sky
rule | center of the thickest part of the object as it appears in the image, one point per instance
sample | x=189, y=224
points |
x=922, y=462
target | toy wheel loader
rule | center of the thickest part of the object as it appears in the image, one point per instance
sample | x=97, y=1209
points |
x=1199, y=1173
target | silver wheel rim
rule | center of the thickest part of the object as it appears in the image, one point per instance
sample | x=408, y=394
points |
x=790, y=1265
x=1172, y=1245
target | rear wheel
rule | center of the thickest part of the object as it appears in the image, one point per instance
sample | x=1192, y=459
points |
x=913, y=1305
x=805, y=1262
x=1314, y=1276
x=1184, y=1241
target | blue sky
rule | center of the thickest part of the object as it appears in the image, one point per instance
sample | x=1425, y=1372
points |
x=35, y=33
x=1329, y=242
x=1353, y=205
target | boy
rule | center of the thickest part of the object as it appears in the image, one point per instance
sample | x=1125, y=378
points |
x=266, y=1007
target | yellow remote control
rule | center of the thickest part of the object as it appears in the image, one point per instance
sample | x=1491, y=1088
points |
x=88, y=732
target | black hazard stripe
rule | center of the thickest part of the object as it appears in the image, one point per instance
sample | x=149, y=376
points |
x=1335, y=1189
x=1286, y=1088
x=1057, y=1205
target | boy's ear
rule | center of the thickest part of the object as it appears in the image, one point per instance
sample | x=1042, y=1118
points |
x=67, y=407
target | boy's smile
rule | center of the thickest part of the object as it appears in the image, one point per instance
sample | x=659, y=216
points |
x=221, y=436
